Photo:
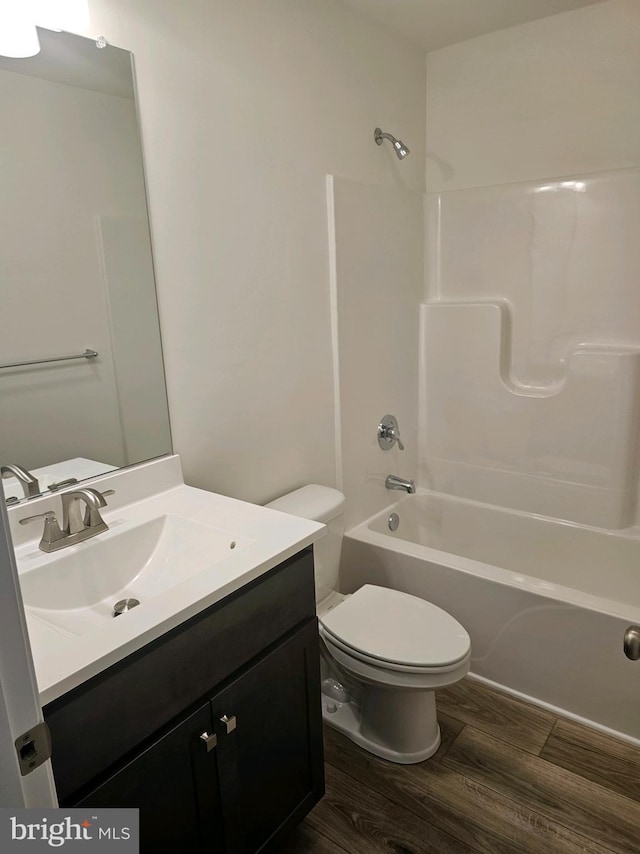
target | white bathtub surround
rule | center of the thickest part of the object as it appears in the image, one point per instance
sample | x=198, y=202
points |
x=529, y=363
x=533, y=179
x=546, y=603
x=565, y=449
x=530, y=347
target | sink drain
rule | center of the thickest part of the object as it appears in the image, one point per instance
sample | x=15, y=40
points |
x=124, y=605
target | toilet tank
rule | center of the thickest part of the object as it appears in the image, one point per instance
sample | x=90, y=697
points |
x=319, y=504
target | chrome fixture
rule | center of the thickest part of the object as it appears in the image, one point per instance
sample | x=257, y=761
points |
x=28, y=482
x=230, y=723
x=74, y=520
x=124, y=605
x=399, y=147
x=88, y=354
x=210, y=739
x=77, y=525
x=393, y=521
x=389, y=433
x=395, y=482
x=70, y=481
x=631, y=644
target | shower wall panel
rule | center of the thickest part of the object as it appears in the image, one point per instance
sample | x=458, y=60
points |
x=531, y=346
x=376, y=237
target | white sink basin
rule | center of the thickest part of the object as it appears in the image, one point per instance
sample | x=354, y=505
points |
x=77, y=589
x=169, y=545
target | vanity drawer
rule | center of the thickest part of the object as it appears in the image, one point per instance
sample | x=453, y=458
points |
x=94, y=726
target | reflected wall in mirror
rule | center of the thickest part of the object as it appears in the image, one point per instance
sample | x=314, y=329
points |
x=76, y=271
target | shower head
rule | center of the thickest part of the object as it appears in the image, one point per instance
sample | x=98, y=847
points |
x=399, y=147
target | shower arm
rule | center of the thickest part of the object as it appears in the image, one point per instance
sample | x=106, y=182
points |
x=379, y=135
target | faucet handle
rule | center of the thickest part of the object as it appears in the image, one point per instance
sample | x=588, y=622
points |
x=389, y=433
x=26, y=519
x=52, y=531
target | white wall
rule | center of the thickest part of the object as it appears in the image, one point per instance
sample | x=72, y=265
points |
x=246, y=107
x=554, y=97
x=530, y=389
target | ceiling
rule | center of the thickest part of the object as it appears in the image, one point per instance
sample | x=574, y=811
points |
x=430, y=24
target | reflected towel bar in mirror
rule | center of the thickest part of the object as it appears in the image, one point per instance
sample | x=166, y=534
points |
x=88, y=354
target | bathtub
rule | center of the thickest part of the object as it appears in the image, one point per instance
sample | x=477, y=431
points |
x=546, y=602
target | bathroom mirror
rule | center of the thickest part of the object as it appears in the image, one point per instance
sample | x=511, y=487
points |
x=76, y=273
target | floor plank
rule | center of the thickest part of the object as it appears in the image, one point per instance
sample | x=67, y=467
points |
x=586, y=808
x=474, y=814
x=363, y=822
x=450, y=729
x=596, y=756
x=305, y=839
x=521, y=724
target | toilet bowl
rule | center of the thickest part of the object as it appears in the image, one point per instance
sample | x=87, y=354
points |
x=385, y=652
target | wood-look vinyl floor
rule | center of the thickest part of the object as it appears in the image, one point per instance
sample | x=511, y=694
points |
x=509, y=778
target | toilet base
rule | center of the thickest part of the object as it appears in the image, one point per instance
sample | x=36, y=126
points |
x=400, y=727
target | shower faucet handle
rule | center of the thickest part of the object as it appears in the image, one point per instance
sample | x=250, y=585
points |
x=389, y=433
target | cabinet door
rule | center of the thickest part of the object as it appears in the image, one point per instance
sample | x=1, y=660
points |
x=269, y=754
x=174, y=784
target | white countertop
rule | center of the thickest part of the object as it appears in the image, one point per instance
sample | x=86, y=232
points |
x=63, y=660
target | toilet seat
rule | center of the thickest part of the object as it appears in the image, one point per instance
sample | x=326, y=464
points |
x=379, y=664
x=396, y=631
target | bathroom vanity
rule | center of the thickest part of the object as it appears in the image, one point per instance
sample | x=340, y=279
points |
x=201, y=706
x=214, y=730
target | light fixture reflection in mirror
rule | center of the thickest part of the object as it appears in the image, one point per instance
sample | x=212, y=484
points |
x=18, y=36
x=69, y=15
x=75, y=268
x=18, y=19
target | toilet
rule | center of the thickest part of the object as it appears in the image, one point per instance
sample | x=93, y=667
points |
x=385, y=652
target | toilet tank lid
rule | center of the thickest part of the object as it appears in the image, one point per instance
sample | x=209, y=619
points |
x=314, y=502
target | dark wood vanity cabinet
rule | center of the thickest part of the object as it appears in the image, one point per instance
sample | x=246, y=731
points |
x=242, y=762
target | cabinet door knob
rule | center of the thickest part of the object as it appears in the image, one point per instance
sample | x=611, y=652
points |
x=230, y=723
x=210, y=740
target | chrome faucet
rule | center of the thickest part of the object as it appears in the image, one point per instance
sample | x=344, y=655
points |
x=395, y=482
x=81, y=519
x=29, y=483
x=74, y=520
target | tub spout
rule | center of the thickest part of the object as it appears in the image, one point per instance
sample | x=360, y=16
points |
x=395, y=482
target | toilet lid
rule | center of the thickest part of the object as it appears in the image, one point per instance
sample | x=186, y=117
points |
x=397, y=627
